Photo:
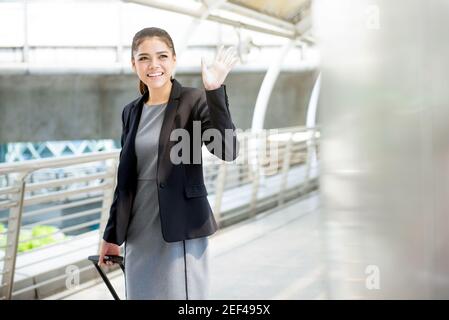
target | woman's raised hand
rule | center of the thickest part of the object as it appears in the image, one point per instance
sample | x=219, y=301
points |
x=215, y=74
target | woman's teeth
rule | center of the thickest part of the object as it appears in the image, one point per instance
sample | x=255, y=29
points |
x=153, y=75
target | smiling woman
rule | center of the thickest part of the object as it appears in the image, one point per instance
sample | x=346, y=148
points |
x=160, y=208
x=153, y=58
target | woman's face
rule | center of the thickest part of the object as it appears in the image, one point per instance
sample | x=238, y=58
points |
x=154, y=62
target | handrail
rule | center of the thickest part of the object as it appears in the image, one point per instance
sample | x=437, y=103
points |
x=286, y=170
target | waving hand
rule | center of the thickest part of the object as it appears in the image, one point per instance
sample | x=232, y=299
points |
x=215, y=74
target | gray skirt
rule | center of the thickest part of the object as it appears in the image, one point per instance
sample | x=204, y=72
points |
x=154, y=268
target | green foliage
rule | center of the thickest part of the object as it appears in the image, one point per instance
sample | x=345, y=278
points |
x=26, y=242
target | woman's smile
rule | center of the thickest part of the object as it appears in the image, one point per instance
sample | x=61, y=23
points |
x=155, y=75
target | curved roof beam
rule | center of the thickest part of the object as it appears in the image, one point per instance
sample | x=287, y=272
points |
x=289, y=32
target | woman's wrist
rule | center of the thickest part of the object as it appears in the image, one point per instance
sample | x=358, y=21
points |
x=210, y=88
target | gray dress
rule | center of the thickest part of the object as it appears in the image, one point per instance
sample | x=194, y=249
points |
x=154, y=268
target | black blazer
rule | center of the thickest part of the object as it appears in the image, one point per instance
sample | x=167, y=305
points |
x=183, y=205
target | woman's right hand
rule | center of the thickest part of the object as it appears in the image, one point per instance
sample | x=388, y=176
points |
x=107, y=248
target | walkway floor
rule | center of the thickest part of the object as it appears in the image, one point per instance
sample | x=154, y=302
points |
x=275, y=255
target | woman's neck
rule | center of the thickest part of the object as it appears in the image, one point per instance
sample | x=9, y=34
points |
x=159, y=95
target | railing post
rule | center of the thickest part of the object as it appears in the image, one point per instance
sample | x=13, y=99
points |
x=285, y=169
x=255, y=173
x=108, y=197
x=310, y=150
x=219, y=189
x=255, y=191
x=12, y=238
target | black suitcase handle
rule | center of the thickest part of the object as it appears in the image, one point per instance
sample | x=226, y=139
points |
x=114, y=259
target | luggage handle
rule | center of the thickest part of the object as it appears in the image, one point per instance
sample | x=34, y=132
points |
x=114, y=259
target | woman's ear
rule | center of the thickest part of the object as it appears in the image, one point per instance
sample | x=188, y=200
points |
x=133, y=65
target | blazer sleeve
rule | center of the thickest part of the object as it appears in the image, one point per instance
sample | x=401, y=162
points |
x=213, y=112
x=109, y=234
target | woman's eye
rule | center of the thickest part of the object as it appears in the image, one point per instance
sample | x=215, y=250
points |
x=142, y=58
x=163, y=56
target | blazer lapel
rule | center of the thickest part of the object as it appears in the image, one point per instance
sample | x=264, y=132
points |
x=164, y=163
x=127, y=169
x=129, y=162
x=134, y=115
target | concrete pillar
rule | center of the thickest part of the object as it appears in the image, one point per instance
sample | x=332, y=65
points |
x=385, y=147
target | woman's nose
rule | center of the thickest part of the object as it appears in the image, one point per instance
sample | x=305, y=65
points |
x=153, y=64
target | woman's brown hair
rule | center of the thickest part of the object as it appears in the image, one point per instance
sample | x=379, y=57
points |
x=145, y=33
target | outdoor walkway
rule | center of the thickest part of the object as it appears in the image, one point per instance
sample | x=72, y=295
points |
x=275, y=255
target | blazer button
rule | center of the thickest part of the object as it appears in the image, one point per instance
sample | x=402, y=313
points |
x=161, y=185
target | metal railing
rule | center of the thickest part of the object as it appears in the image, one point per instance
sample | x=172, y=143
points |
x=73, y=196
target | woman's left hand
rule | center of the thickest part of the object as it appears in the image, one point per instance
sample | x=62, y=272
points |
x=215, y=74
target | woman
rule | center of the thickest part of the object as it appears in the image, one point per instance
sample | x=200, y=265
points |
x=160, y=207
